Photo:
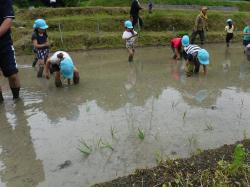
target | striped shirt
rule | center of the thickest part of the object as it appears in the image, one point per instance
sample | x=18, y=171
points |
x=192, y=49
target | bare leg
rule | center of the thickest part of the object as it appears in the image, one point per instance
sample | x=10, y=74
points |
x=1, y=95
x=131, y=55
x=58, y=81
x=177, y=53
x=41, y=68
x=205, y=69
x=14, y=83
x=76, y=77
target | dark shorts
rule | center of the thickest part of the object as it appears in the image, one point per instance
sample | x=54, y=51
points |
x=192, y=58
x=8, y=61
x=229, y=37
x=55, y=67
x=42, y=54
x=246, y=42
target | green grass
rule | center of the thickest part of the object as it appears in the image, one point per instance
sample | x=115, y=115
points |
x=100, y=27
x=243, y=6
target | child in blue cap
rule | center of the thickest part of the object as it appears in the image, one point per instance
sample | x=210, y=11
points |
x=230, y=31
x=40, y=43
x=246, y=33
x=62, y=64
x=129, y=35
x=195, y=56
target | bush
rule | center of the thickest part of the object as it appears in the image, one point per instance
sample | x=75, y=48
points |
x=71, y=2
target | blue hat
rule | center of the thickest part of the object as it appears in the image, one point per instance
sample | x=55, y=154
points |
x=40, y=24
x=185, y=40
x=128, y=24
x=229, y=20
x=67, y=68
x=203, y=57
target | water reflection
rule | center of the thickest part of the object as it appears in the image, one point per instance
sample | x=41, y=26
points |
x=21, y=166
x=152, y=94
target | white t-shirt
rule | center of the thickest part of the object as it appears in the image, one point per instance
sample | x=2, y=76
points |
x=127, y=35
x=52, y=1
x=229, y=30
x=55, y=60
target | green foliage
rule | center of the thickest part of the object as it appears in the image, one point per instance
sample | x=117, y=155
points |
x=141, y=134
x=238, y=158
x=71, y=2
x=85, y=148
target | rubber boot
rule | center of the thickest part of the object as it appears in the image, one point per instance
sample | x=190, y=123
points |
x=130, y=59
x=1, y=97
x=34, y=62
x=76, y=78
x=15, y=93
x=40, y=71
x=58, y=83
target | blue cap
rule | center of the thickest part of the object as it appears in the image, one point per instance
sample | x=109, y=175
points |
x=128, y=24
x=203, y=57
x=229, y=20
x=67, y=68
x=40, y=24
x=185, y=40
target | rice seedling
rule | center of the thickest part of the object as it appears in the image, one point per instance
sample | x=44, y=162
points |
x=244, y=134
x=141, y=134
x=85, y=148
x=104, y=145
x=158, y=157
x=113, y=131
x=174, y=104
x=209, y=127
x=184, y=115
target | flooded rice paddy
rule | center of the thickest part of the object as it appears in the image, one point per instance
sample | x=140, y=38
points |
x=40, y=136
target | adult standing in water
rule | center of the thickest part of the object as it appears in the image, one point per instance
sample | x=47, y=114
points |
x=134, y=13
x=200, y=26
x=7, y=53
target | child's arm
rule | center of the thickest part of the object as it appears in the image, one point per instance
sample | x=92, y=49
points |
x=205, y=69
x=5, y=26
x=132, y=36
x=38, y=46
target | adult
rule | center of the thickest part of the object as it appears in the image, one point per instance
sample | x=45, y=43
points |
x=53, y=3
x=7, y=53
x=134, y=13
x=200, y=26
x=62, y=64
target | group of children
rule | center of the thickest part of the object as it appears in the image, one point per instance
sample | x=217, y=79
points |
x=194, y=55
x=59, y=63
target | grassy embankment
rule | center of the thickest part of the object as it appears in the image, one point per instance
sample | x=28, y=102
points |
x=225, y=166
x=241, y=5
x=99, y=27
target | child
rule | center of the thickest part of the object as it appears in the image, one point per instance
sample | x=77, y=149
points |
x=62, y=64
x=194, y=56
x=129, y=35
x=176, y=47
x=8, y=64
x=40, y=43
x=150, y=6
x=246, y=33
x=229, y=29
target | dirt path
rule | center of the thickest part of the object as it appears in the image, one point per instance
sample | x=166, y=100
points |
x=190, y=7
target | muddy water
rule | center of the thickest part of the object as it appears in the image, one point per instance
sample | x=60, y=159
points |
x=40, y=135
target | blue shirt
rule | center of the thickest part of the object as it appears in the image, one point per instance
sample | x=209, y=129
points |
x=6, y=11
x=246, y=30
